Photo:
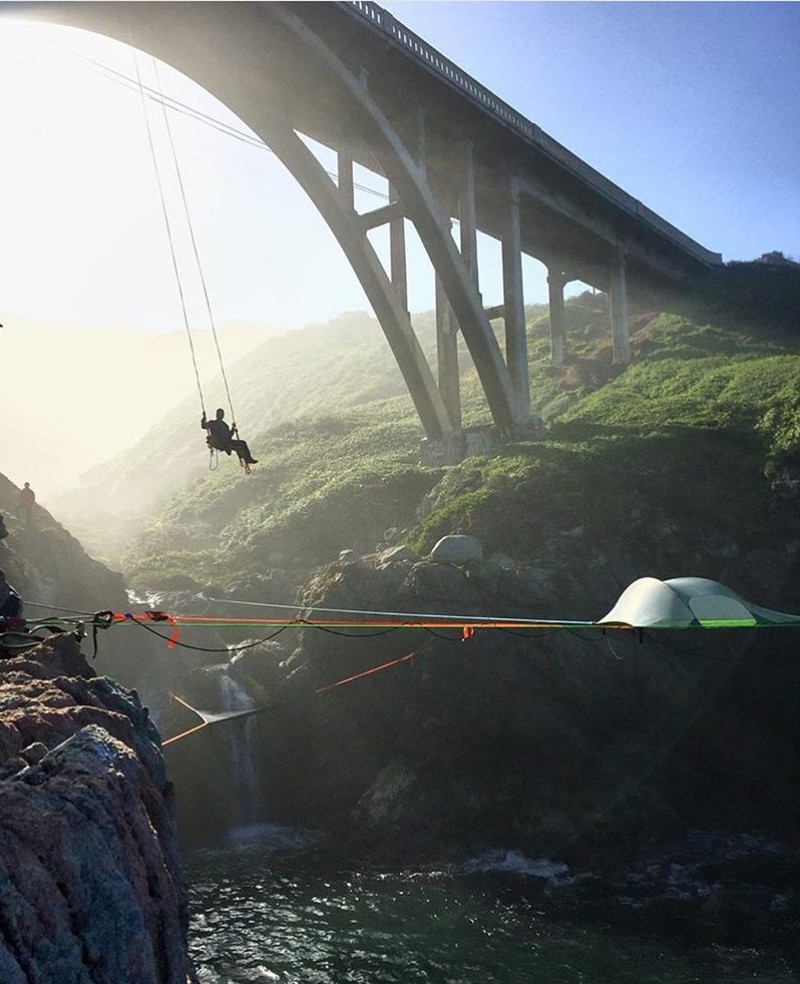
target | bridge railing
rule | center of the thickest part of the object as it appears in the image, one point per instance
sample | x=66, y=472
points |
x=435, y=60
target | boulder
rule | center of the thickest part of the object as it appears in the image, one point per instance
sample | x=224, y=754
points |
x=458, y=548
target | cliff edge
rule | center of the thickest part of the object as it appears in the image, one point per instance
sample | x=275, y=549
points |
x=91, y=885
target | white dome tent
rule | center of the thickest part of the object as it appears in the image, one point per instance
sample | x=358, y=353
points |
x=688, y=603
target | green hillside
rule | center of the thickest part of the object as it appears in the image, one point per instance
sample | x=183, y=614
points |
x=670, y=456
x=302, y=372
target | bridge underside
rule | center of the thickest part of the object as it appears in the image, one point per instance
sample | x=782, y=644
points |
x=320, y=69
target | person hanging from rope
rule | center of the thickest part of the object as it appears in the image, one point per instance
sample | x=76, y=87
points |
x=220, y=438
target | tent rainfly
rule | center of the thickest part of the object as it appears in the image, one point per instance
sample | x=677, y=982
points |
x=686, y=603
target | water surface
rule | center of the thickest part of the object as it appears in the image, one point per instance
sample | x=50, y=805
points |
x=259, y=915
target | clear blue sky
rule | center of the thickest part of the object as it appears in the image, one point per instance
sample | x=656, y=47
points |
x=691, y=107
x=694, y=108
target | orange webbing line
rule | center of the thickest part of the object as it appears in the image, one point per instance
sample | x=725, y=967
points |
x=184, y=734
x=369, y=672
x=190, y=731
x=409, y=657
x=434, y=623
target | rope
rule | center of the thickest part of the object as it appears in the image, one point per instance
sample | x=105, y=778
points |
x=456, y=620
x=365, y=673
x=168, y=226
x=350, y=628
x=119, y=78
x=207, y=720
x=369, y=624
x=54, y=608
x=202, y=649
x=196, y=252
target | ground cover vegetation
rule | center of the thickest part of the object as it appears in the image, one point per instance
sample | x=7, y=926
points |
x=682, y=440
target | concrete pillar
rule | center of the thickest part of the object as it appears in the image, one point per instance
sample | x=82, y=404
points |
x=344, y=169
x=514, y=303
x=447, y=327
x=558, y=338
x=618, y=302
x=466, y=210
x=447, y=355
x=397, y=254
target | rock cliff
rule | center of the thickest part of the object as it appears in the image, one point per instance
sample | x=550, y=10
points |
x=49, y=566
x=92, y=889
x=55, y=576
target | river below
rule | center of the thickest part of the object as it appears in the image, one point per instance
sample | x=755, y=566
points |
x=267, y=909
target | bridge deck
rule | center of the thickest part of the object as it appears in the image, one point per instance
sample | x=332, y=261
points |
x=569, y=209
x=487, y=102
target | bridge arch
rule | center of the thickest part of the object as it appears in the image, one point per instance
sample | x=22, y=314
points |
x=264, y=61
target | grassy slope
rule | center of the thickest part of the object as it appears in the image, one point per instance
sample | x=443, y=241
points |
x=305, y=372
x=674, y=445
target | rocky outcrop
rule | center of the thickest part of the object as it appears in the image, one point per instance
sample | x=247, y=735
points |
x=49, y=566
x=92, y=889
x=56, y=578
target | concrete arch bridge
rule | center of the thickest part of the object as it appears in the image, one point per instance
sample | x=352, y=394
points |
x=353, y=78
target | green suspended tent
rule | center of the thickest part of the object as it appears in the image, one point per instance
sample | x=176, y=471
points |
x=689, y=603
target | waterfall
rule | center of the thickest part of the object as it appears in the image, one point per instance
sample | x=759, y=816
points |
x=238, y=736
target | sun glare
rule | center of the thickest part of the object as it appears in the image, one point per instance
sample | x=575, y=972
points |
x=69, y=165
x=81, y=204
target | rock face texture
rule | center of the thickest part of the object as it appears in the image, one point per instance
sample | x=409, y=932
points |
x=48, y=566
x=90, y=886
x=55, y=576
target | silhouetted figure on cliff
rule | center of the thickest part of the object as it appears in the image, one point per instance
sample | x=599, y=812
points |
x=220, y=437
x=26, y=500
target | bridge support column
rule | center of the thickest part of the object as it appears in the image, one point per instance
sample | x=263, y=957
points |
x=447, y=356
x=514, y=307
x=344, y=178
x=405, y=169
x=447, y=327
x=397, y=254
x=466, y=210
x=558, y=338
x=618, y=301
x=351, y=232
